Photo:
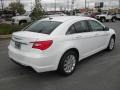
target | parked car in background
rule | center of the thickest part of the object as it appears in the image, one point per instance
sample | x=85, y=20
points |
x=0, y=19
x=59, y=43
x=93, y=15
x=106, y=16
x=1, y=12
x=56, y=14
x=25, y=18
x=86, y=14
x=6, y=14
x=118, y=16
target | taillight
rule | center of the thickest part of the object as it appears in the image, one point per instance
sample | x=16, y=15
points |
x=42, y=45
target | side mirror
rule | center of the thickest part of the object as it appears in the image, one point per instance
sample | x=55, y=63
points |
x=106, y=29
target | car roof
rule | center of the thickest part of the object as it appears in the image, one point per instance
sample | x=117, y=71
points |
x=67, y=21
x=66, y=18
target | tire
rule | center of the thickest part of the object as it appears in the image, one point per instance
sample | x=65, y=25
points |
x=103, y=20
x=22, y=22
x=113, y=20
x=111, y=44
x=68, y=63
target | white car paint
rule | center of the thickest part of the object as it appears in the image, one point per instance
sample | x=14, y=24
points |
x=87, y=44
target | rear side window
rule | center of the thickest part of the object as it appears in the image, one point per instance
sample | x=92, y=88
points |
x=78, y=27
x=81, y=26
x=45, y=27
x=71, y=30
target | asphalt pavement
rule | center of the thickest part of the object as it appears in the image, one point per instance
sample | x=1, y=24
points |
x=98, y=72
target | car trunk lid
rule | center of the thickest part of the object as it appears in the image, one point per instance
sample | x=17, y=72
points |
x=22, y=40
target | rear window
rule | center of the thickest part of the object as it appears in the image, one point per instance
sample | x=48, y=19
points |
x=45, y=27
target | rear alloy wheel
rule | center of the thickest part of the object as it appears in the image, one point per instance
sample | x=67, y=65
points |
x=68, y=63
x=111, y=44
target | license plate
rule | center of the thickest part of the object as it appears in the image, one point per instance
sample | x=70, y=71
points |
x=18, y=45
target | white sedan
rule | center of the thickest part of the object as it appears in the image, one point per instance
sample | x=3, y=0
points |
x=58, y=43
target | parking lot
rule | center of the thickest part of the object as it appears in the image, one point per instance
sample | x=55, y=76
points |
x=98, y=72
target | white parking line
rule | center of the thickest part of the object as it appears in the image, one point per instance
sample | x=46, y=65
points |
x=6, y=79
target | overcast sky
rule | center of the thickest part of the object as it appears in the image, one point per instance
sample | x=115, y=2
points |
x=63, y=4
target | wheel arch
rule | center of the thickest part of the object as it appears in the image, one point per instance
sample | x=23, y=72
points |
x=114, y=36
x=23, y=20
x=70, y=49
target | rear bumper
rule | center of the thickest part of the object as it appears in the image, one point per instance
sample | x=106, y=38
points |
x=38, y=63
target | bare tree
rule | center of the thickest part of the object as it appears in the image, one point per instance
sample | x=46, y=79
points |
x=119, y=3
x=17, y=7
x=55, y=5
x=38, y=11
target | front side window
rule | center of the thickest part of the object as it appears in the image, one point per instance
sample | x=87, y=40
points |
x=95, y=26
x=45, y=27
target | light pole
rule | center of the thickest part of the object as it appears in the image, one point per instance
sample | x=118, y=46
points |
x=68, y=4
x=55, y=5
x=2, y=6
x=85, y=4
x=72, y=6
x=119, y=3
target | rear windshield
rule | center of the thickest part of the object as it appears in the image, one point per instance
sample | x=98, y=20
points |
x=45, y=27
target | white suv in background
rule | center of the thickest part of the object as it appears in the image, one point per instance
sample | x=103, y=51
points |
x=25, y=18
x=58, y=43
x=106, y=16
